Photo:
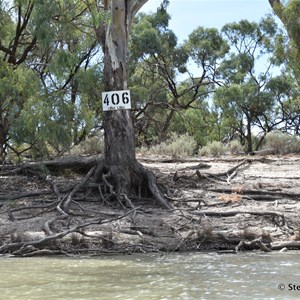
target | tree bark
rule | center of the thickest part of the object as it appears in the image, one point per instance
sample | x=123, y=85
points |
x=118, y=125
x=125, y=173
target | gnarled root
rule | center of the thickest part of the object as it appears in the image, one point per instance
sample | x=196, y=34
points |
x=123, y=180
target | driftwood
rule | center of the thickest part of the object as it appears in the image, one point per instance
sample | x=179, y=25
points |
x=293, y=245
x=258, y=243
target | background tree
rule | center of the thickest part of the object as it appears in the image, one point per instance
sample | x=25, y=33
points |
x=242, y=99
x=289, y=14
x=284, y=115
x=160, y=66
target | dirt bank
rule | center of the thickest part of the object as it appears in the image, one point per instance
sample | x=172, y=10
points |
x=227, y=204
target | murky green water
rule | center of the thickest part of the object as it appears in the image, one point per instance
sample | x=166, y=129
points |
x=177, y=276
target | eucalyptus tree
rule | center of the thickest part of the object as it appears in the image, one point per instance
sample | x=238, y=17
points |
x=245, y=72
x=151, y=47
x=65, y=60
x=120, y=170
x=207, y=48
x=289, y=14
x=157, y=62
x=285, y=114
x=161, y=66
x=54, y=42
x=16, y=44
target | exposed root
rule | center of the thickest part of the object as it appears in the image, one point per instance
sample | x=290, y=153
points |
x=254, y=243
x=77, y=215
x=15, y=246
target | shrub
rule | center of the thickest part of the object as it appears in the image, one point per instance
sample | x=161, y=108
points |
x=282, y=143
x=235, y=147
x=213, y=149
x=177, y=145
x=91, y=146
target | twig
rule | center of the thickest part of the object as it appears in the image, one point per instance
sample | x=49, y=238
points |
x=230, y=177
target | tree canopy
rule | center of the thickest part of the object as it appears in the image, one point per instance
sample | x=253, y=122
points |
x=222, y=85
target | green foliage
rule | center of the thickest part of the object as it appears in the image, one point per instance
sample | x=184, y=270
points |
x=206, y=46
x=150, y=35
x=289, y=14
x=6, y=26
x=50, y=92
x=17, y=87
x=54, y=81
x=198, y=123
x=244, y=101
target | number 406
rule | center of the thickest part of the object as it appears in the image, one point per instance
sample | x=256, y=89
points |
x=116, y=98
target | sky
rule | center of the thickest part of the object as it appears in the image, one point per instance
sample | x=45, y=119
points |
x=187, y=15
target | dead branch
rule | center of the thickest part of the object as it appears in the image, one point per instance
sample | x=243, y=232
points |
x=130, y=231
x=184, y=240
x=260, y=198
x=229, y=174
x=210, y=177
x=31, y=252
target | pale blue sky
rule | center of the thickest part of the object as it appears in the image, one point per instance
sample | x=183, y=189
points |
x=187, y=15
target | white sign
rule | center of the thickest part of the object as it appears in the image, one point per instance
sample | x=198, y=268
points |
x=116, y=100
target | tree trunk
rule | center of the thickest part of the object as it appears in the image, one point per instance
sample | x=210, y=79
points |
x=4, y=129
x=118, y=125
x=124, y=171
x=249, y=135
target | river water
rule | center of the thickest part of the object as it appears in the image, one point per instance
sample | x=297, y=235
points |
x=252, y=275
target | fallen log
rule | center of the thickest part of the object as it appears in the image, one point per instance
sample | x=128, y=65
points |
x=257, y=192
x=232, y=213
x=78, y=164
x=269, y=151
x=285, y=244
x=24, y=195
